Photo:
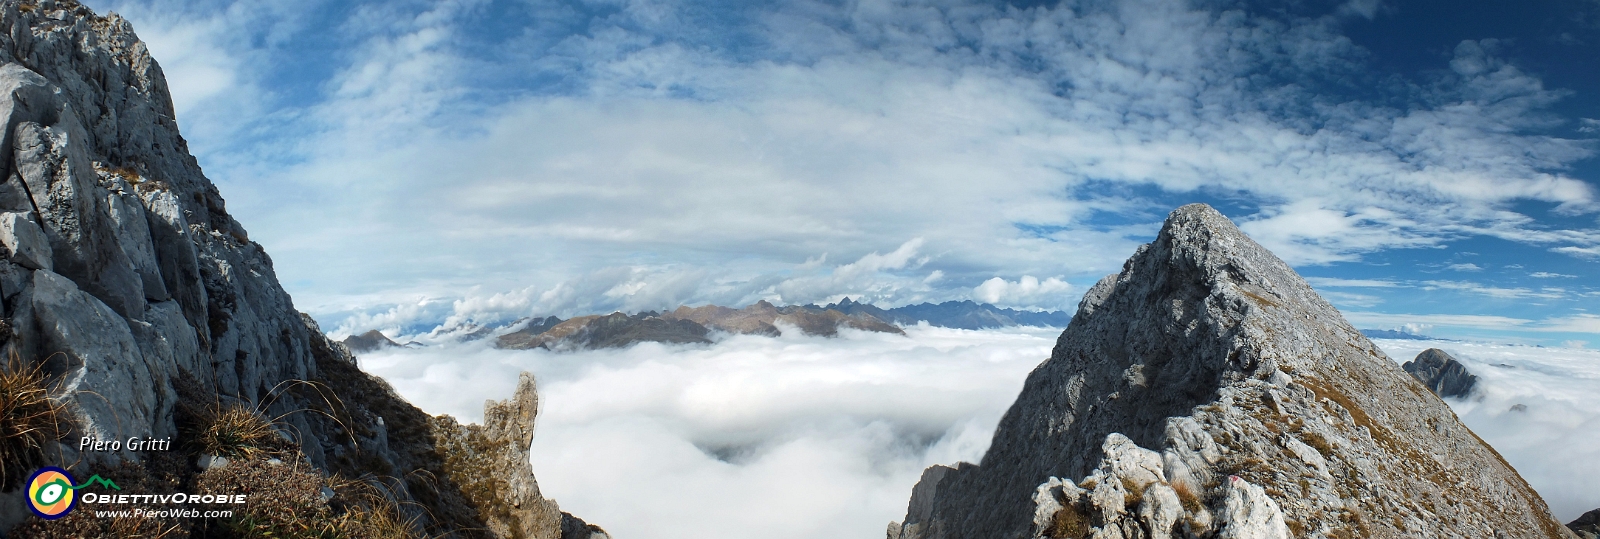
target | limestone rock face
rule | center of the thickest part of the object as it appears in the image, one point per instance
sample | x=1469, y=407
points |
x=1209, y=372
x=124, y=274
x=1442, y=374
x=490, y=462
x=25, y=242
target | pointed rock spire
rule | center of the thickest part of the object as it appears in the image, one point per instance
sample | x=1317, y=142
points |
x=1271, y=414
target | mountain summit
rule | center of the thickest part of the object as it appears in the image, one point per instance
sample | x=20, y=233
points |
x=1208, y=391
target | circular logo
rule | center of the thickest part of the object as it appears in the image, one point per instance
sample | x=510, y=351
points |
x=50, y=493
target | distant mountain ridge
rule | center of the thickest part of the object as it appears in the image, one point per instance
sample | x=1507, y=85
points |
x=1393, y=334
x=965, y=314
x=373, y=340
x=694, y=325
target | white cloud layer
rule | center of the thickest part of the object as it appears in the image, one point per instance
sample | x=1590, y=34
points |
x=1554, y=443
x=799, y=437
x=805, y=437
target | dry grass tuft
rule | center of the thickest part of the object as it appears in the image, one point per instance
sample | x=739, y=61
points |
x=286, y=500
x=29, y=419
x=1068, y=523
x=368, y=512
x=1186, y=495
x=1132, y=495
x=235, y=431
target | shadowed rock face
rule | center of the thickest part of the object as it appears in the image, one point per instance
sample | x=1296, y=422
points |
x=1207, y=390
x=1587, y=526
x=123, y=273
x=1442, y=374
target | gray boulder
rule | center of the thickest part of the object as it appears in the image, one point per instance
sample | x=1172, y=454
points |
x=1272, y=417
x=25, y=242
x=1443, y=375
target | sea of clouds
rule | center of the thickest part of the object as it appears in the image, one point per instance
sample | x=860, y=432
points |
x=809, y=437
x=1555, y=441
x=784, y=437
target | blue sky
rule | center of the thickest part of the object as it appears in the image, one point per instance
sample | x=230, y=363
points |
x=408, y=164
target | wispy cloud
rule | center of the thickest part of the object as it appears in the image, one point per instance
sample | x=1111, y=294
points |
x=1548, y=275
x=519, y=147
x=1334, y=282
x=1495, y=291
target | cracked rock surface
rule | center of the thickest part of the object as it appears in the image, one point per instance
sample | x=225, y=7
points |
x=122, y=272
x=1208, y=391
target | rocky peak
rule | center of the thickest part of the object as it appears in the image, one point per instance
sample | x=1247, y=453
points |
x=1207, y=390
x=369, y=341
x=1442, y=374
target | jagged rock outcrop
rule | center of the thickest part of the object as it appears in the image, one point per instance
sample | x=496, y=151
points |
x=490, y=462
x=125, y=275
x=1208, y=391
x=1587, y=526
x=1442, y=374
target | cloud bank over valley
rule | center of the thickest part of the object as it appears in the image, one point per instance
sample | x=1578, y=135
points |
x=822, y=437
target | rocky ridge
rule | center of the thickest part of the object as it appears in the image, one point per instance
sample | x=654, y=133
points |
x=1208, y=391
x=1442, y=374
x=685, y=325
x=966, y=314
x=761, y=318
x=123, y=273
x=1587, y=526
